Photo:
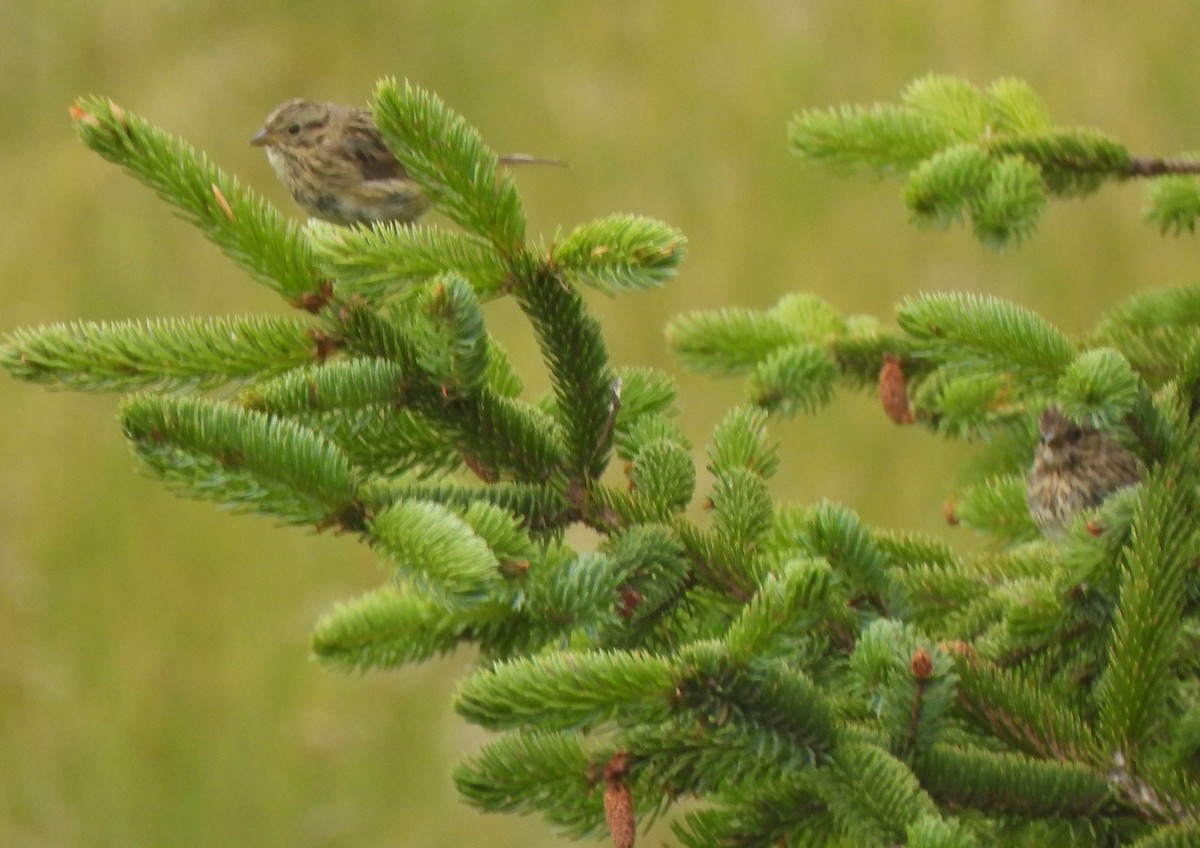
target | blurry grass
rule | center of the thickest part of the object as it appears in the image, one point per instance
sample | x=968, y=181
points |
x=154, y=683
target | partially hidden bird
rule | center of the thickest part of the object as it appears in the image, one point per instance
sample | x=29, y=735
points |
x=335, y=164
x=1075, y=467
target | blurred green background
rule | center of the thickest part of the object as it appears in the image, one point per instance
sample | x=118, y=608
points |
x=155, y=683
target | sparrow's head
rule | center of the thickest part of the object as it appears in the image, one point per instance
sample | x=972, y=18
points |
x=297, y=124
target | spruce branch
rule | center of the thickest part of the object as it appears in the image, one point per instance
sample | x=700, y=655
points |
x=874, y=797
x=620, y=252
x=1174, y=202
x=1150, y=330
x=437, y=550
x=802, y=377
x=165, y=354
x=497, y=435
x=966, y=365
x=387, y=260
x=243, y=460
x=740, y=441
x=1157, y=166
x=455, y=169
x=796, y=352
x=1010, y=784
x=989, y=155
x=662, y=480
x=1016, y=710
x=1172, y=836
x=674, y=755
x=791, y=603
x=1145, y=635
x=780, y=807
x=248, y=230
x=997, y=506
x=338, y=385
x=540, y=508
x=804, y=677
x=729, y=341
x=568, y=691
x=384, y=629
x=550, y=773
x=389, y=441
x=987, y=336
x=587, y=392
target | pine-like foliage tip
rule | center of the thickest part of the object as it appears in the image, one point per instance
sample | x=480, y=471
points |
x=742, y=508
x=1007, y=208
x=569, y=690
x=987, y=336
x=1012, y=784
x=546, y=772
x=645, y=391
x=434, y=547
x=452, y=164
x=502, y=531
x=385, y=629
x=387, y=260
x=451, y=340
x=998, y=507
x=587, y=392
x=1173, y=204
x=942, y=188
x=1102, y=384
x=621, y=252
x=1144, y=655
x=990, y=156
x=792, y=379
x=344, y=384
x=730, y=341
x=242, y=459
x=873, y=795
x=741, y=441
x=163, y=354
x=1016, y=107
x=248, y=230
x=785, y=610
x=886, y=140
x=1151, y=329
x=665, y=476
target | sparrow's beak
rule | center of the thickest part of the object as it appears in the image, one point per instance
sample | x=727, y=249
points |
x=262, y=138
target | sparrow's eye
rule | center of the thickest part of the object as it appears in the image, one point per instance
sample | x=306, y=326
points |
x=293, y=129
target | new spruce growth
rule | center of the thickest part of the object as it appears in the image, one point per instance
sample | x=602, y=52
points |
x=808, y=679
x=993, y=156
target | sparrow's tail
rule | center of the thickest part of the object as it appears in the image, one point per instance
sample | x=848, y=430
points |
x=526, y=159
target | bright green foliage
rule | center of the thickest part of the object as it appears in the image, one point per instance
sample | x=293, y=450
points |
x=733, y=341
x=1154, y=331
x=457, y=172
x=805, y=678
x=970, y=363
x=996, y=505
x=1060, y=695
x=1075, y=660
x=620, y=252
x=164, y=353
x=1174, y=204
x=390, y=259
x=387, y=628
x=991, y=156
x=250, y=232
x=242, y=459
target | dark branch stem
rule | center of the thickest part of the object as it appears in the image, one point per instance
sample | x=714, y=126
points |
x=1154, y=166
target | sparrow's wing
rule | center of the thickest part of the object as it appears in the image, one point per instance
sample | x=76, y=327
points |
x=365, y=147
